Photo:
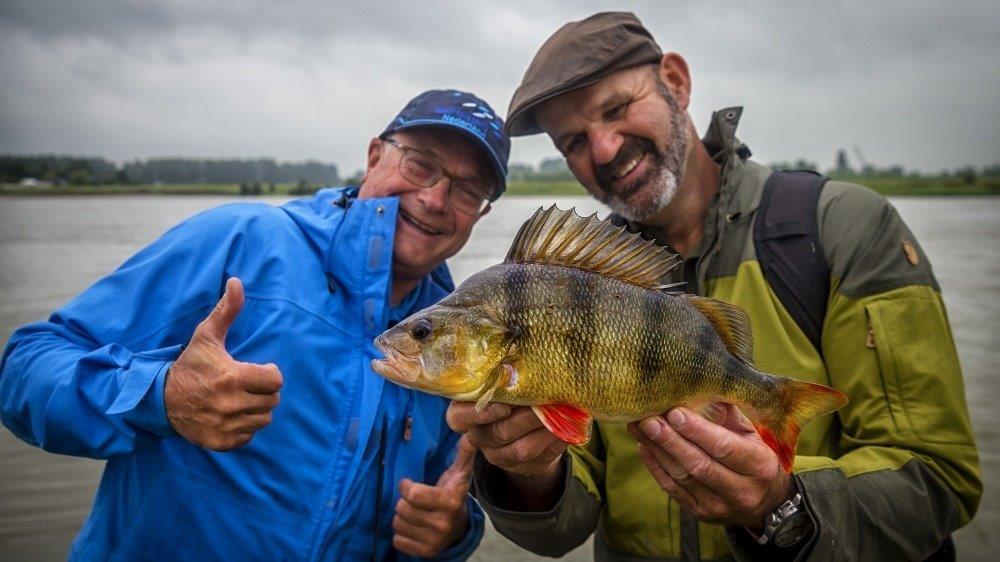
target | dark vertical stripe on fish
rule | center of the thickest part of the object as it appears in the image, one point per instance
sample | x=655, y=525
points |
x=705, y=343
x=515, y=287
x=583, y=329
x=650, y=359
x=734, y=371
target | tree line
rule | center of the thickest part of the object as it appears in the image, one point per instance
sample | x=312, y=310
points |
x=259, y=175
x=72, y=170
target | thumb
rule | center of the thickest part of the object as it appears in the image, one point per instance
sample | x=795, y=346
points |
x=217, y=324
x=404, y=486
x=457, y=475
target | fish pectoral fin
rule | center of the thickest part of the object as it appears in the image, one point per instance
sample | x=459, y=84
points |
x=506, y=379
x=485, y=399
x=569, y=423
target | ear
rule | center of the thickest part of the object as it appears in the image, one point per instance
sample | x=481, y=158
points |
x=674, y=73
x=374, y=153
x=486, y=210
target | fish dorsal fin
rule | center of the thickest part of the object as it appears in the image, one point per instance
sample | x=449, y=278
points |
x=731, y=322
x=556, y=237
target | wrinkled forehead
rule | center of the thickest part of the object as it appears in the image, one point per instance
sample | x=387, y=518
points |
x=455, y=150
x=575, y=108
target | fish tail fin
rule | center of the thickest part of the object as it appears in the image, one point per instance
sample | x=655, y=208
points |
x=797, y=403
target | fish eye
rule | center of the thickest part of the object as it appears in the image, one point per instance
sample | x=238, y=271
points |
x=421, y=329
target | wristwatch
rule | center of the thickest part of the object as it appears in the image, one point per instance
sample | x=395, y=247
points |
x=786, y=525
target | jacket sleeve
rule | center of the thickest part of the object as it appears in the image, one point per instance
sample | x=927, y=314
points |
x=906, y=472
x=474, y=534
x=568, y=523
x=89, y=381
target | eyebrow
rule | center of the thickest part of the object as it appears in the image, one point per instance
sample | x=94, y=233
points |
x=613, y=99
x=477, y=177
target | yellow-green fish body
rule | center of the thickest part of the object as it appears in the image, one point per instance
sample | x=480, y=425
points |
x=574, y=323
x=622, y=351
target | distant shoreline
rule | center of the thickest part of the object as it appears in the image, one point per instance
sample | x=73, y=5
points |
x=935, y=186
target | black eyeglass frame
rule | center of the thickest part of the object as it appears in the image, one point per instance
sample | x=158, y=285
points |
x=438, y=174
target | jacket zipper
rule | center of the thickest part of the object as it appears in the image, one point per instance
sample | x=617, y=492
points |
x=690, y=539
x=378, y=492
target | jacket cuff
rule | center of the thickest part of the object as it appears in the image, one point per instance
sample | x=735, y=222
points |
x=745, y=547
x=485, y=485
x=473, y=535
x=140, y=397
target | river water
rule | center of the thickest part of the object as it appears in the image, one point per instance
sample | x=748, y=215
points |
x=52, y=248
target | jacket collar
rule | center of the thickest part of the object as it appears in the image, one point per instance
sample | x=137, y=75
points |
x=737, y=193
x=355, y=239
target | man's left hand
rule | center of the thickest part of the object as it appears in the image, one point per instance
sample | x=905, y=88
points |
x=430, y=519
x=719, y=472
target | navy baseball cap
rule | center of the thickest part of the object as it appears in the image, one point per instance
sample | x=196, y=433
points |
x=466, y=113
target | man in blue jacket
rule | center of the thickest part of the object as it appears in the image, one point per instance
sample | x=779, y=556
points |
x=178, y=388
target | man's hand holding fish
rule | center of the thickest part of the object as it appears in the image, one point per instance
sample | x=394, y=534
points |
x=515, y=440
x=720, y=472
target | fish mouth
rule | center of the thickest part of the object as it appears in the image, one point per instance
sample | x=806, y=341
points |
x=395, y=367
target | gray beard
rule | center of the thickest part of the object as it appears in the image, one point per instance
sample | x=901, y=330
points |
x=664, y=187
x=668, y=171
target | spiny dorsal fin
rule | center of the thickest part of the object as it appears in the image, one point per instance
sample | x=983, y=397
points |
x=555, y=237
x=731, y=322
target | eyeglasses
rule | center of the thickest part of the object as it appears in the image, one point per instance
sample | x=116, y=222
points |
x=422, y=170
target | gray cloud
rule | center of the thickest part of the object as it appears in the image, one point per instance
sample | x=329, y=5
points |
x=915, y=83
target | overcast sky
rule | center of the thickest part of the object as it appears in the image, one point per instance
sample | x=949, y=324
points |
x=910, y=82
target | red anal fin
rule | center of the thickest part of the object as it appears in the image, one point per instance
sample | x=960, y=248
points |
x=569, y=423
x=799, y=402
x=782, y=444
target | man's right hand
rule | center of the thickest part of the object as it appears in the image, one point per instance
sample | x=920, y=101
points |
x=510, y=437
x=211, y=399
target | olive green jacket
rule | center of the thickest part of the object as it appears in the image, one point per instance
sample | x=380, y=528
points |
x=888, y=477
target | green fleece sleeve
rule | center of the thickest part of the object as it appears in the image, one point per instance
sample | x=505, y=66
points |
x=906, y=472
x=564, y=526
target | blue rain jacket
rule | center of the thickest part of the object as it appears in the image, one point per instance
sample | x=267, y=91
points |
x=89, y=382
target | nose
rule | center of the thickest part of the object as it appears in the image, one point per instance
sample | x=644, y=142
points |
x=604, y=145
x=435, y=197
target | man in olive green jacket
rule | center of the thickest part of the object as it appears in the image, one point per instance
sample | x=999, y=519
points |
x=889, y=476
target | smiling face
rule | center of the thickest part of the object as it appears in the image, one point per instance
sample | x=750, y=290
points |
x=428, y=228
x=625, y=138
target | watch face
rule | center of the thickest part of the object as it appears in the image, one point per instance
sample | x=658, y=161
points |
x=792, y=530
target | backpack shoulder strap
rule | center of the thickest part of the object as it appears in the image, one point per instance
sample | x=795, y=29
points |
x=786, y=239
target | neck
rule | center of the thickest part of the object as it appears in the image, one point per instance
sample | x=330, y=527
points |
x=401, y=288
x=682, y=222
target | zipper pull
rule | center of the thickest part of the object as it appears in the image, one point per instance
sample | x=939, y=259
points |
x=870, y=342
x=408, y=428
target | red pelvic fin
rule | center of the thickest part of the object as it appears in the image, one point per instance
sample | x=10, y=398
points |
x=569, y=423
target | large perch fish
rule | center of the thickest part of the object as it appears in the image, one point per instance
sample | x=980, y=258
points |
x=575, y=324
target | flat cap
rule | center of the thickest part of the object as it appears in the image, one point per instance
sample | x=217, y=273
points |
x=577, y=55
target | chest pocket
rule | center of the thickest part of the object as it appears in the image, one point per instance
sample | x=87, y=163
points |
x=912, y=368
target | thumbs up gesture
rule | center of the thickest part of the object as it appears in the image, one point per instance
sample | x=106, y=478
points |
x=430, y=519
x=211, y=399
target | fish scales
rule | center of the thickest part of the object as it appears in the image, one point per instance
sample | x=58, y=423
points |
x=573, y=323
x=576, y=346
